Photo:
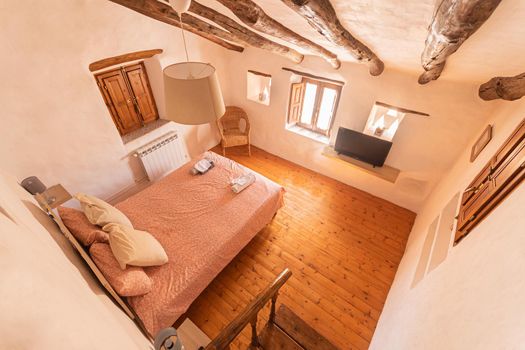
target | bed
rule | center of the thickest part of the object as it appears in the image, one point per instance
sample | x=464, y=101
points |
x=202, y=226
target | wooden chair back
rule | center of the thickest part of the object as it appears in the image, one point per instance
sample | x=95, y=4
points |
x=231, y=120
x=233, y=133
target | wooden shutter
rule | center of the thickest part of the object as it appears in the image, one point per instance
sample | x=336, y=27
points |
x=141, y=89
x=119, y=101
x=296, y=102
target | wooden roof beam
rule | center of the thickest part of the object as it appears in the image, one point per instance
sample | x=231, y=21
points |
x=254, y=17
x=506, y=88
x=322, y=17
x=243, y=34
x=165, y=13
x=454, y=22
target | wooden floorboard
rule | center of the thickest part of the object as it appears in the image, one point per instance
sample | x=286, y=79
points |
x=343, y=246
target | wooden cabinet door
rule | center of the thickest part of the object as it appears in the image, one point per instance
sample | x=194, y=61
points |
x=512, y=166
x=504, y=172
x=474, y=197
x=119, y=101
x=139, y=84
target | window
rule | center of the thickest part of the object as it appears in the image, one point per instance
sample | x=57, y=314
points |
x=313, y=104
x=127, y=94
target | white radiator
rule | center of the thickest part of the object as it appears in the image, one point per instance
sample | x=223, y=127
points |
x=163, y=155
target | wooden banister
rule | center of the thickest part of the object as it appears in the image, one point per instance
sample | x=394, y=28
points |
x=249, y=315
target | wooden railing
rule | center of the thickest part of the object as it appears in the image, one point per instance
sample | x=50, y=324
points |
x=249, y=315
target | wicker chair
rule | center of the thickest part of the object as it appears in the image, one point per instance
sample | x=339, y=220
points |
x=230, y=128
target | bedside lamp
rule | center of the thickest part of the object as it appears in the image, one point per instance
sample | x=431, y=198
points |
x=33, y=185
x=48, y=198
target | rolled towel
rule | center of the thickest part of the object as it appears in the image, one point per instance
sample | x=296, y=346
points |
x=240, y=183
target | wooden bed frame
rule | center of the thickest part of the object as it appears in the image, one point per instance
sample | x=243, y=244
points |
x=48, y=208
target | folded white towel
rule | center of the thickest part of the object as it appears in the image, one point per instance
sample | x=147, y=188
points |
x=240, y=183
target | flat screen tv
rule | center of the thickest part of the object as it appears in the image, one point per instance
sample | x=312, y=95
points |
x=366, y=148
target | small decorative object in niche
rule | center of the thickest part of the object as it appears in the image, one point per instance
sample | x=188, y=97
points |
x=480, y=144
x=258, y=86
x=384, y=120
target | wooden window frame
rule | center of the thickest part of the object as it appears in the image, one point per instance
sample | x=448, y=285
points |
x=321, y=85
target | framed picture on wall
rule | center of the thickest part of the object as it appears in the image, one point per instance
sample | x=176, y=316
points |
x=480, y=144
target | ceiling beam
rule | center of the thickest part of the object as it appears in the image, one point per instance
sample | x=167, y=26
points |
x=243, y=34
x=454, y=22
x=322, y=17
x=165, y=13
x=254, y=17
x=127, y=57
x=506, y=88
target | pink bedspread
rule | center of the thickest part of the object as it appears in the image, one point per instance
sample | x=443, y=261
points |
x=202, y=225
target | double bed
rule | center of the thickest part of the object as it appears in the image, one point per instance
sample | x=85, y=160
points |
x=202, y=225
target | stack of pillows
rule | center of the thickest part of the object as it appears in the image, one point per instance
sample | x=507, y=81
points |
x=119, y=250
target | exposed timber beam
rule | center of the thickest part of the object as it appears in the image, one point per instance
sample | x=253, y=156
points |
x=507, y=88
x=322, y=17
x=454, y=22
x=127, y=57
x=165, y=13
x=254, y=17
x=243, y=34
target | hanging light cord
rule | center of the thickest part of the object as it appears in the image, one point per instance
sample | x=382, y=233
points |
x=183, y=37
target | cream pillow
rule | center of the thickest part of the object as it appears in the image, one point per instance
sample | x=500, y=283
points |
x=134, y=247
x=99, y=212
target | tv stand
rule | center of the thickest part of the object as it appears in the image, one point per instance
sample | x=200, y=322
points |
x=385, y=172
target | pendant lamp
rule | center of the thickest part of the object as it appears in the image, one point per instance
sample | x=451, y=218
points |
x=191, y=89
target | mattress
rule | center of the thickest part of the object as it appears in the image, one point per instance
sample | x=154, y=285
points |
x=202, y=225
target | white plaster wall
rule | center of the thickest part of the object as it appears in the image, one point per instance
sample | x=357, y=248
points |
x=54, y=122
x=48, y=298
x=424, y=148
x=474, y=299
x=55, y=125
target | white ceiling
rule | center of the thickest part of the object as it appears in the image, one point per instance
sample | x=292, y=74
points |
x=396, y=31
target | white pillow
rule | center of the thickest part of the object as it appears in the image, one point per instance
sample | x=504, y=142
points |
x=134, y=247
x=99, y=212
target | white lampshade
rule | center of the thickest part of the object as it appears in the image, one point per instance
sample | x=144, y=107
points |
x=180, y=6
x=193, y=94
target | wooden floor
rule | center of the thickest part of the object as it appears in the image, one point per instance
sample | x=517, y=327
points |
x=342, y=245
